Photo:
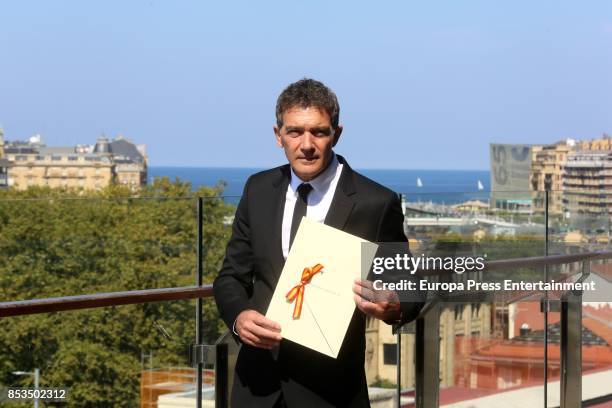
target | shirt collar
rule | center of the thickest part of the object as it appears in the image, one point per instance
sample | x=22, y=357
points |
x=322, y=181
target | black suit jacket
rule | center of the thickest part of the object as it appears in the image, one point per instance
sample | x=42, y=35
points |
x=252, y=266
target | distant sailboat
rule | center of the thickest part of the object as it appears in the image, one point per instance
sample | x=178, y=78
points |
x=480, y=186
x=419, y=182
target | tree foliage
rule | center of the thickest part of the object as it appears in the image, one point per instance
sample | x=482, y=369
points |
x=68, y=242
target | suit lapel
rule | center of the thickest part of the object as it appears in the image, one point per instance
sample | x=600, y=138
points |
x=279, y=194
x=342, y=204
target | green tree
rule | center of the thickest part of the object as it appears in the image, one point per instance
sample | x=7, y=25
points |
x=58, y=242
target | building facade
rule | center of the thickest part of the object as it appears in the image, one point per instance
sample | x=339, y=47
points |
x=90, y=167
x=4, y=166
x=510, y=169
x=457, y=322
x=4, y=163
x=547, y=174
x=587, y=182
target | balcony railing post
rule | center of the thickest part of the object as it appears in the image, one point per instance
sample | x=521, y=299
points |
x=546, y=204
x=427, y=358
x=399, y=368
x=571, y=350
x=221, y=376
x=217, y=354
x=199, y=322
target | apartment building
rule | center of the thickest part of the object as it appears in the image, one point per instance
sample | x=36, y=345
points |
x=547, y=174
x=587, y=182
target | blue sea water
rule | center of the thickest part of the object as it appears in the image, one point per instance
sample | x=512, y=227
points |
x=438, y=186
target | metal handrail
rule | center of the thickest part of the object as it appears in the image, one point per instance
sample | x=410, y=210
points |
x=89, y=301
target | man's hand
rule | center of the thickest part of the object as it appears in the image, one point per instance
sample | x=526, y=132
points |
x=256, y=330
x=380, y=304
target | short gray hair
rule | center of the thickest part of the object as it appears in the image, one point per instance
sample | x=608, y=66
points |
x=306, y=93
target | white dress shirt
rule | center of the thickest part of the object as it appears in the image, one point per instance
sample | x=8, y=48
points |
x=319, y=199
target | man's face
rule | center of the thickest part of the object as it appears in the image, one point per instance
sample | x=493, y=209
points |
x=307, y=137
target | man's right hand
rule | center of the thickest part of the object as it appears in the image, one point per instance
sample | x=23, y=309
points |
x=256, y=330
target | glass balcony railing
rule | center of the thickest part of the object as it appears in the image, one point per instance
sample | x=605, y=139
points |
x=108, y=298
x=492, y=349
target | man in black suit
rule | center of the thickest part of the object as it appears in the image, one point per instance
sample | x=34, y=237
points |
x=318, y=184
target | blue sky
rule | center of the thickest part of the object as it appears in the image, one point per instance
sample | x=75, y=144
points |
x=424, y=85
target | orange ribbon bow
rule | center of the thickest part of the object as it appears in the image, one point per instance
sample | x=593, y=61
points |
x=297, y=292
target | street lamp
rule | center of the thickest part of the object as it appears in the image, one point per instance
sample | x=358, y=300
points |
x=36, y=374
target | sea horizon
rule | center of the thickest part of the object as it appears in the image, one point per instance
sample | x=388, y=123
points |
x=266, y=168
x=440, y=186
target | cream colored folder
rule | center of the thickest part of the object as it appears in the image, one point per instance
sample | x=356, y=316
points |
x=327, y=303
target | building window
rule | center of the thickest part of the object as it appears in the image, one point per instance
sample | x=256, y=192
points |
x=475, y=310
x=56, y=158
x=458, y=312
x=389, y=354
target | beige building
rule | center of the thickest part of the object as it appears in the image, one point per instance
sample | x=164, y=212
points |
x=605, y=143
x=464, y=320
x=90, y=167
x=471, y=206
x=587, y=182
x=460, y=321
x=578, y=175
x=380, y=358
x=547, y=174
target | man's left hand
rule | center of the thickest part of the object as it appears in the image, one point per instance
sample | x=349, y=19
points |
x=380, y=304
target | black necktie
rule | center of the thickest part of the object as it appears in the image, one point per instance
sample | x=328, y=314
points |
x=299, y=210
